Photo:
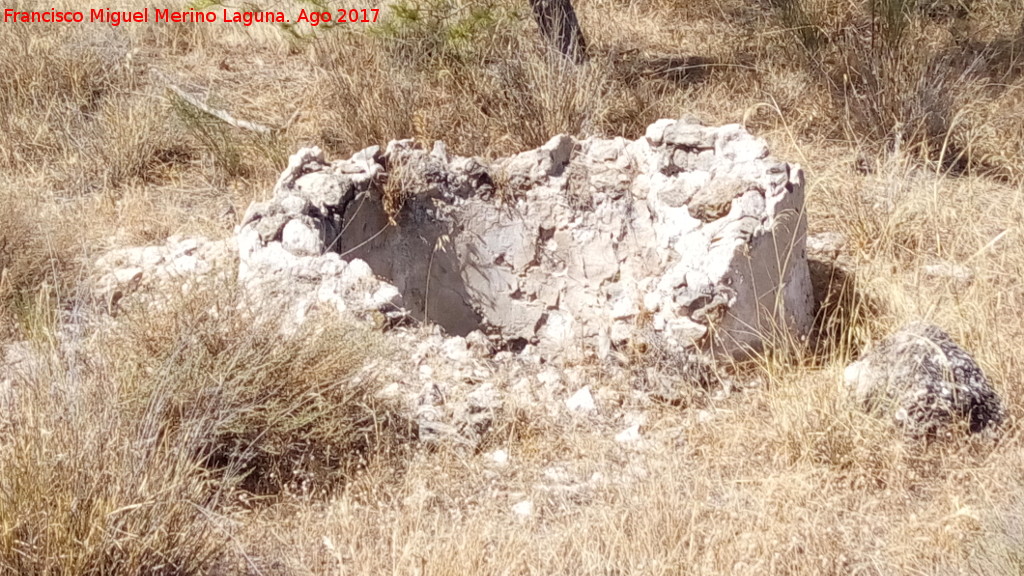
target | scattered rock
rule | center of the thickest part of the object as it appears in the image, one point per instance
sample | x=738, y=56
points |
x=457, y=349
x=523, y=509
x=581, y=401
x=160, y=270
x=629, y=435
x=925, y=381
x=498, y=457
x=479, y=343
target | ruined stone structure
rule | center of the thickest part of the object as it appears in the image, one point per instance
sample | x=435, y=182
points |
x=691, y=229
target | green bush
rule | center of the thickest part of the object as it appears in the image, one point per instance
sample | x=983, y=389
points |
x=449, y=30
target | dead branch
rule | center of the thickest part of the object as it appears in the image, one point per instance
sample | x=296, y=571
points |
x=222, y=115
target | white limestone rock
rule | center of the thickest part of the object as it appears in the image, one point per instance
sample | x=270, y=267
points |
x=523, y=509
x=693, y=227
x=582, y=401
x=301, y=239
x=159, y=271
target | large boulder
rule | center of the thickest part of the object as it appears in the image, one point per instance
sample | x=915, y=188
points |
x=691, y=231
x=925, y=381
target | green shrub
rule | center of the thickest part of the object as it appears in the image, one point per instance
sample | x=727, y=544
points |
x=447, y=30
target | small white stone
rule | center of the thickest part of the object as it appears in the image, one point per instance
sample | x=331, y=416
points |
x=659, y=322
x=150, y=256
x=629, y=435
x=295, y=205
x=356, y=270
x=851, y=374
x=331, y=264
x=386, y=294
x=581, y=401
x=499, y=457
x=300, y=240
x=478, y=342
x=623, y=307
x=456, y=349
x=656, y=132
x=524, y=508
x=652, y=301
x=621, y=331
x=329, y=290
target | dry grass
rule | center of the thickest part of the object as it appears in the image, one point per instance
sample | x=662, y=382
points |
x=289, y=414
x=35, y=262
x=782, y=484
x=189, y=444
x=134, y=461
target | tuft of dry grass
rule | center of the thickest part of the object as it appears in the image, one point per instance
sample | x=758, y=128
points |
x=88, y=488
x=135, y=461
x=37, y=262
x=282, y=414
x=911, y=77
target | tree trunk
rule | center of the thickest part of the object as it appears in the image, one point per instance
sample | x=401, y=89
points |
x=558, y=23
